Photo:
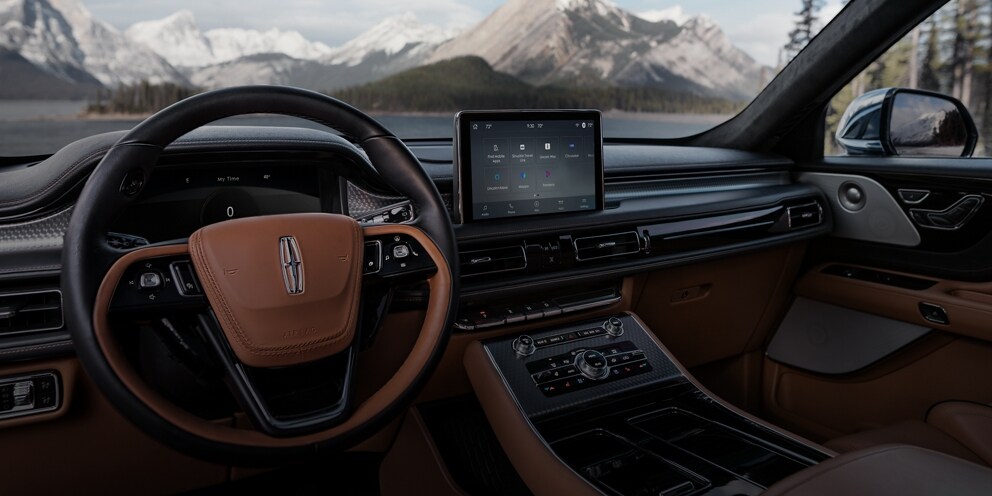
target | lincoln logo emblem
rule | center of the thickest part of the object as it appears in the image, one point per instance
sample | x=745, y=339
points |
x=292, y=264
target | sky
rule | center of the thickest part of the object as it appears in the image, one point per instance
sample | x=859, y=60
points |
x=759, y=27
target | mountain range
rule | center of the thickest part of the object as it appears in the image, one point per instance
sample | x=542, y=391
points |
x=58, y=49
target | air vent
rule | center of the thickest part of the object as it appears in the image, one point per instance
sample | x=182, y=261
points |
x=27, y=312
x=810, y=214
x=609, y=245
x=492, y=260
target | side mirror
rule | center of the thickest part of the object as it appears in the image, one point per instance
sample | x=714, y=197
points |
x=907, y=122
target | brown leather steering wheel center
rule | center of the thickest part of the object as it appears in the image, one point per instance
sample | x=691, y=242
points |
x=285, y=288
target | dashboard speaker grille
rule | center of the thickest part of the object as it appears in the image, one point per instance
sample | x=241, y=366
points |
x=30, y=311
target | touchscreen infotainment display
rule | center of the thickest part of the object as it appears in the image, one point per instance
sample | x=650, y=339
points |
x=517, y=163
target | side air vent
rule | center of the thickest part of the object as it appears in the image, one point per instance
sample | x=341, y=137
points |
x=30, y=311
x=609, y=245
x=810, y=214
x=492, y=260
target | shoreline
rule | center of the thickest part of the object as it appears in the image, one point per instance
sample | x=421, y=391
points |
x=610, y=114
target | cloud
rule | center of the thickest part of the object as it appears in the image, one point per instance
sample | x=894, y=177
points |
x=762, y=36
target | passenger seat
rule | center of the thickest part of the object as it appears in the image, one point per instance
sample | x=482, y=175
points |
x=958, y=428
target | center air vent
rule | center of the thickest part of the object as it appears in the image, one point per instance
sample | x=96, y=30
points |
x=27, y=312
x=492, y=260
x=806, y=215
x=609, y=245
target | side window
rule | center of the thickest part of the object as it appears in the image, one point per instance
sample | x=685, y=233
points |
x=950, y=53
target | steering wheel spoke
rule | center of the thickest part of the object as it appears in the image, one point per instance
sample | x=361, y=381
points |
x=285, y=401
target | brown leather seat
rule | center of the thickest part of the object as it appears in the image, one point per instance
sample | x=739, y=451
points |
x=957, y=428
x=890, y=470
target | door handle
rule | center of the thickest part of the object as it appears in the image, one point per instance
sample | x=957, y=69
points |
x=951, y=218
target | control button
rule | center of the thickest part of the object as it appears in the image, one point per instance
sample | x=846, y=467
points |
x=23, y=393
x=549, y=309
x=372, y=262
x=150, y=281
x=401, y=250
x=532, y=311
x=463, y=322
x=913, y=196
x=485, y=318
x=592, y=364
x=588, y=333
x=540, y=343
x=185, y=278
x=934, y=313
x=614, y=327
x=524, y=345
x=513, y=315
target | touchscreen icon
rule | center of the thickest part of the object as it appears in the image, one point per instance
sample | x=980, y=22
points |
x=547, y=174
x=523, y=175
x=475, y=127
x=523, y=147
x=547, y=146
x=495, y=148
x=497, y=176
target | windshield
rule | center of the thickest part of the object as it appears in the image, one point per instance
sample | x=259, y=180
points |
x=72, y=68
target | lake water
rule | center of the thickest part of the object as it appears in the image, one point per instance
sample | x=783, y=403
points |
x=36, y=127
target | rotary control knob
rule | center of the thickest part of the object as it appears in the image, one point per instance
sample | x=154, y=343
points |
x=524, y=345
x=592, y=364
x=613, y=326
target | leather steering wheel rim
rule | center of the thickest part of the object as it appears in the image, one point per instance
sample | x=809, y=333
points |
x=121, y=174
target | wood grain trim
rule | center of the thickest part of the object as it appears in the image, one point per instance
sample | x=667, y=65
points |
x=969, y=315
x=431, y=334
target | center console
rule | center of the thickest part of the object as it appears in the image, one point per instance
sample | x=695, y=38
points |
x=601, y=407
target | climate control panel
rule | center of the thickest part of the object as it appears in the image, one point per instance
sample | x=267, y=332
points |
x=558, y=367
x=585, y=367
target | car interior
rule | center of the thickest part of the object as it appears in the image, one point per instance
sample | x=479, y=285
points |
x=193, y=308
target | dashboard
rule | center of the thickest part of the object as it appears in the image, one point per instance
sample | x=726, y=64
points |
x=661, y=206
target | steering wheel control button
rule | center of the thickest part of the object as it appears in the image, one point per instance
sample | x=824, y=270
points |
x=524, y=345
x=27, y=395
x=150, y=281
x=592, y=364
x=185, y=277
x=133, y=182
x=401, y=250
x=373, y=257
x=614, y=327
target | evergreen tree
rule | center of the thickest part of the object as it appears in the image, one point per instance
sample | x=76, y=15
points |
x=806, y=25
x=931, y=63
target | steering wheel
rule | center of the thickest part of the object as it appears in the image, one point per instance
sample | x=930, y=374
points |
x=273, y=303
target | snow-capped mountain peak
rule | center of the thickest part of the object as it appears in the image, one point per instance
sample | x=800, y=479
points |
x=179, y=39
x=62, y=38
x=675, y=13
x=391, y=36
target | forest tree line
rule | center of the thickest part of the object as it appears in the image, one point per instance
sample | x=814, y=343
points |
x=949, y=53
x=448, y=86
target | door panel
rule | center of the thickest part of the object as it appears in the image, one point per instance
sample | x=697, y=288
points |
x=948, y=272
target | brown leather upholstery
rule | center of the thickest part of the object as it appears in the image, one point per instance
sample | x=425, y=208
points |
x=897, y=470
x=240, y=263
x=957, y=428
x=912, y=432
x=969, y=423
